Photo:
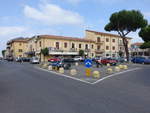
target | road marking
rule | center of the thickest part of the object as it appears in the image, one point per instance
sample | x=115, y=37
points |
x=77, y=79
x=104, y=78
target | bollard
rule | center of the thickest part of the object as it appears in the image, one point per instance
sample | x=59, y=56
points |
x=53, y=68
x=96, y=74
x=88, y=72
x=50, y=68
x=125, y=67
x=108, y=65
x=76, y=64
x=121, y=66
x=56, y=68
x=109, y=71
x=61, y=70
x=73, y=71
x=44, y=66
x=117, y=69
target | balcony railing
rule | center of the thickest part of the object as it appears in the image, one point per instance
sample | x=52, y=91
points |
x=99, y=50
x=99, y=42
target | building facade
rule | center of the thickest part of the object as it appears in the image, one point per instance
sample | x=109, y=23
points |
x=136, y=51
x=17, y=48
x=108, y=45
x=60, y=46
x=94, y=44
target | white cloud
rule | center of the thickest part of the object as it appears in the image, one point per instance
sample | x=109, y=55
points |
x=51, y=14
x=147, y=14
x=11, y=30
x=73, y=1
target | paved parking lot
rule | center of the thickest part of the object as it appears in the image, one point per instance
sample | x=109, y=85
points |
x=81, y=73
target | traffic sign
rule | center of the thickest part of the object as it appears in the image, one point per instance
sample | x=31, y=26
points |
x=88, y=63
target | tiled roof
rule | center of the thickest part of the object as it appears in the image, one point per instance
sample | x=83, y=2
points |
x=65, y=38
x=137, y=44
x=106, y=34
x=20, y=39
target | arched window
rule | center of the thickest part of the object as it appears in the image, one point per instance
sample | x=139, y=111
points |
x=86, y=46
x=98, y=39
x=73, y=45
x=57, y=45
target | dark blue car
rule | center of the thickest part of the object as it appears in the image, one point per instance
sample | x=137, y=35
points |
x=138, y=60
x=147, y=61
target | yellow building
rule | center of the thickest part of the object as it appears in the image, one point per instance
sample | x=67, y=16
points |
x=94, y=44
x=17, y=47
x=108, y=45
x=60, y=46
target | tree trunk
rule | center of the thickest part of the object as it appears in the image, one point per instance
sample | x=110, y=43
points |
x=125, y=43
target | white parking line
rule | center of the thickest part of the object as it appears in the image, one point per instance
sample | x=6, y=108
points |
x=104, y=78
x=77, y=79
x=65, y=76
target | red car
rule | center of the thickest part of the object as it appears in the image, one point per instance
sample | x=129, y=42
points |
x=54, y=59
x=108, y=61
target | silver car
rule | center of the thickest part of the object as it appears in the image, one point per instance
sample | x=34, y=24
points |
x=35, y=60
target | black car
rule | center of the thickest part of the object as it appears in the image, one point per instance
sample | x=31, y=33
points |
x=25, y=59
x=10, y=59
x=65, y=63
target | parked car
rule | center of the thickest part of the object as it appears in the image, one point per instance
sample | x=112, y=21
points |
x=65, y=63
x=18, y=59
x=141, y=60
x=25, y=59
x=53, y=59
x=78, y=58
x=121, y=59
x=138, y=60
x=10, y=59
x=68, y=60
x=147, y=61
x=35, y=60
x=109, y=61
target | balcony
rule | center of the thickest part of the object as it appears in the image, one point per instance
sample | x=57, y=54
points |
x=63, y=53
x=99, y=51
x=54, y=51
x=120, y=44
x=99, y=42
x=87, y=50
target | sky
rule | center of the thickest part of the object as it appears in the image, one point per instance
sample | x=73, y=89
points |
x=26, y=18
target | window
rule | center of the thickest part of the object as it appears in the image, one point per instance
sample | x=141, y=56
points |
x=113, y=40
x=98, y=47
x=73, y=45
x=20, y=44
x=86, y=46
x=57, y=45
x=98, y=39
x=107, y=39
x=107, y=47
x=92, y=54
x=113, y=55
x=80, y=46
x=65, y=45
x=113, y=47
x=40, y=43
x=20, y=50
x=92, y=46
x=107, y=54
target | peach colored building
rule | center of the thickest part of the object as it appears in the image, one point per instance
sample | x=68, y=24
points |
x=17, y=47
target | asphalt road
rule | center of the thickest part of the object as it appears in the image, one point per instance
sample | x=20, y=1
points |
x=25, y=89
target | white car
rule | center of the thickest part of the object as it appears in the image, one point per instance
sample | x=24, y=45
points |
x=35, y=60
x=78, y=58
